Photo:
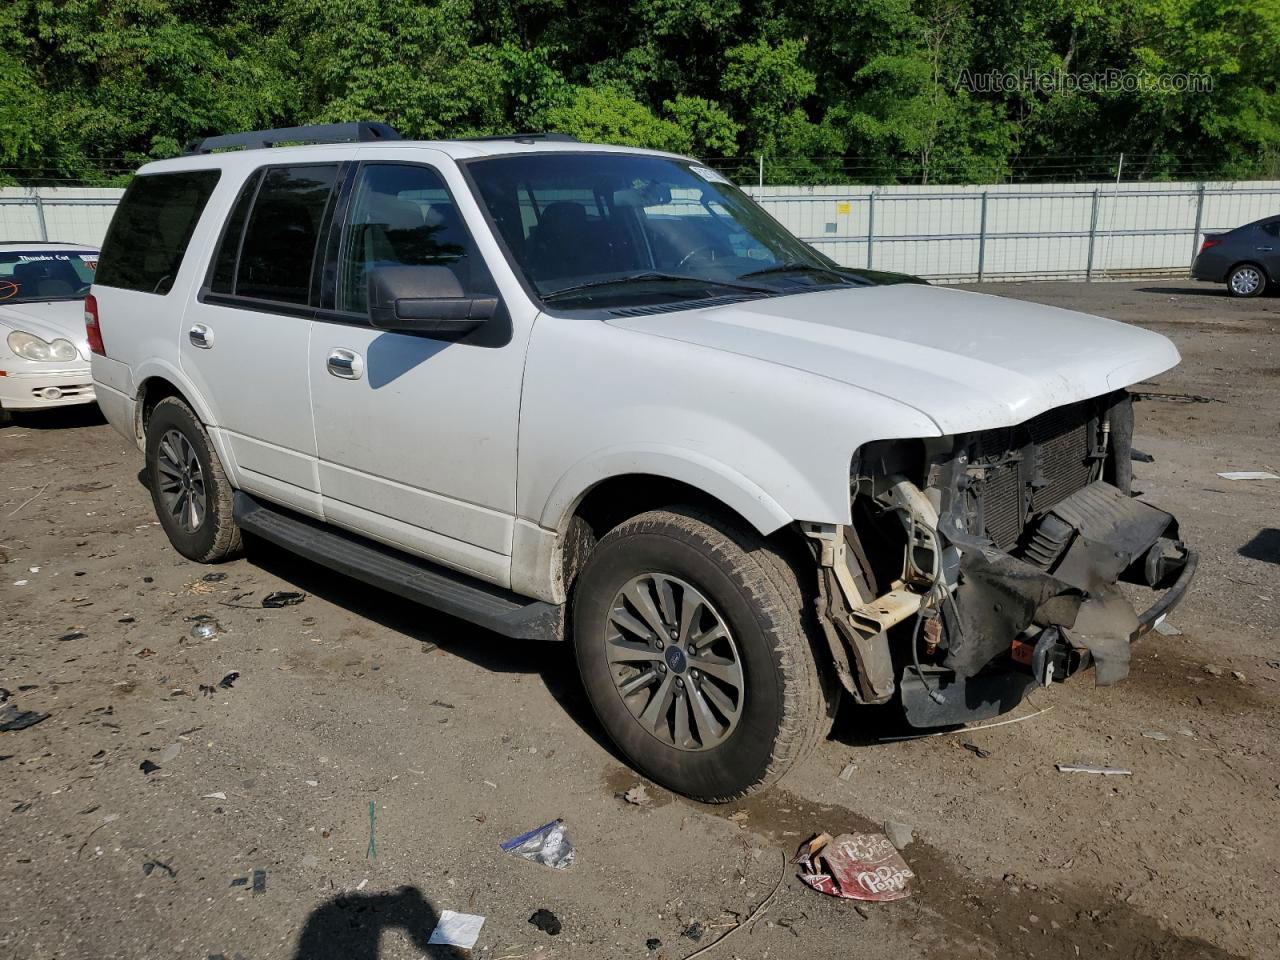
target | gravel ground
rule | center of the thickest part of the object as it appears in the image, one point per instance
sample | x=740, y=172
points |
x=458, y=739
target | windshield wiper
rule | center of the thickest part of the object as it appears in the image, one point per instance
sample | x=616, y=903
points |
x=650, y=276
x=794, y=266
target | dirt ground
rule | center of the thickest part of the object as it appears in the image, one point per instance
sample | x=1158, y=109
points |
x=456, y=739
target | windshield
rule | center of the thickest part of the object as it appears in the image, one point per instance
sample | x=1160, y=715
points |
x=601, y=229
x=28, y=275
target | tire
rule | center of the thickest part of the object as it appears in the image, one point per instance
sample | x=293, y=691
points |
x=212, y=535
x=1246, y=280
x=782, y=707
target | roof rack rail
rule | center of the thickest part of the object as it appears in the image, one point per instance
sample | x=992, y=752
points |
x=362, y=132
x=525, y=138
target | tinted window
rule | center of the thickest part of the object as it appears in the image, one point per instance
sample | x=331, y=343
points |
x=279, y=246
x=151, y=228
x=1272, y=228
x=45, y=274
x=224, y=266
x=402, y=214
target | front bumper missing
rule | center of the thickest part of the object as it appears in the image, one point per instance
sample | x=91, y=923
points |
x=1022, y=621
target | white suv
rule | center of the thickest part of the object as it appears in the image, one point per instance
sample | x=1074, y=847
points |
x=570, y=391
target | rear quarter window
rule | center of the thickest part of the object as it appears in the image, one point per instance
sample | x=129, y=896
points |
x=151, y=229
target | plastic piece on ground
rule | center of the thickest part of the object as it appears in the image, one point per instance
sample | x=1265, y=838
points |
x=146, y=766
x=259, y=881
x=283, y=598
x=1248, y=475
x=548, y=844
x=1087, y=768
x=457, y=929
x=11, y=718
x=854, y=866
x=546, y=921
x=229, y=680
x=205, y=630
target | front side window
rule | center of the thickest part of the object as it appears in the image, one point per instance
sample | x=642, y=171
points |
x=27, y=276
x=276, y=253
x=402, y=214
x=151, y=228
x=601, y=229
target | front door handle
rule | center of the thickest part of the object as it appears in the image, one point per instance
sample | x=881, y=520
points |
x=1264, y=249
x=200, y=336
x=346, y=364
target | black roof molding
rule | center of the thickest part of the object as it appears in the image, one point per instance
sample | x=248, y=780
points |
x=362, y=132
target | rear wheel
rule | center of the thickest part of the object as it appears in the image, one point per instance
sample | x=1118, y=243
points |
x=691, y=639
x=192, y=496
x=1246, y=280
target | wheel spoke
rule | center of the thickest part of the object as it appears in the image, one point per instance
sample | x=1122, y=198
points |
x=707, y=637
x=656, y=712
x=721, y=669
x=683, y=736
x=710, y=730
x=638, y=593
x=638, y=682
x=625, y=651
x=690, y=607
x=719, y=699
x=630, y=624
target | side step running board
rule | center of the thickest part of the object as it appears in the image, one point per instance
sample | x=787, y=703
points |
x=423, y=582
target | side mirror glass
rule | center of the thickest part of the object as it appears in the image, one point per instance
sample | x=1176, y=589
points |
x=424, y=299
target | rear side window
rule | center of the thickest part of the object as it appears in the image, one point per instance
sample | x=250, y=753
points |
x=151, y=229
x=268, y=248
x=1272, y=228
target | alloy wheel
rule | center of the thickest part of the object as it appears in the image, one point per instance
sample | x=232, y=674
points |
x=181, y=481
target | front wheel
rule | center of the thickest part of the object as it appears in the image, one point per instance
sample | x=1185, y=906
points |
x=192, y=496
x=1246, y=280
x=692, y=642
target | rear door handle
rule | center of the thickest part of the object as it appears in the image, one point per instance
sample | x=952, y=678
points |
x=200, y=336
x=346, y=364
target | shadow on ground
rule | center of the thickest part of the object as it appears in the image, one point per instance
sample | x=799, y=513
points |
x=350, y=926
x=1265, y=546
x=59, y=418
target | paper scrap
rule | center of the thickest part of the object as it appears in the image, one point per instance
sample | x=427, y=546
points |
x=1248, y=475
x=457, y=929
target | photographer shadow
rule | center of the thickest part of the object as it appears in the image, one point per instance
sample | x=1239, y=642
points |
x=350, y=926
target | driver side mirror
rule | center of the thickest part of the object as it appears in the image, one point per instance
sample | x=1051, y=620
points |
x=424, y=299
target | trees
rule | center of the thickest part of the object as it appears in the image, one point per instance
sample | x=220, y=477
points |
x=826, y=89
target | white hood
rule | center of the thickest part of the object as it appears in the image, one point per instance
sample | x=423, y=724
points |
x=49, y=320
x=969, y=361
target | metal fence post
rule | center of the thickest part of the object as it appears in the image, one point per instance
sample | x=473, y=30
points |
x=871, y=226
x=982, y=237
x=1093, y=234
x=762, y=170
x=44, y=227
x=1195, y=237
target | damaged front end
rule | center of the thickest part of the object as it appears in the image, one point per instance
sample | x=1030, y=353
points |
x=982, y=564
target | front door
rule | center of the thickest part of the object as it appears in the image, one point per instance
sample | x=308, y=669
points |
x=416, y=435
x=244, y=339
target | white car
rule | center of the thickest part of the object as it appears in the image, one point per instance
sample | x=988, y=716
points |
x=44, y=355
x=592, y=393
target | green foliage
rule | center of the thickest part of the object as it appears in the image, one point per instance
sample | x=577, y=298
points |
x=826, y=90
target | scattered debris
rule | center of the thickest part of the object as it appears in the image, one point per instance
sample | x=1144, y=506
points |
x=1213, y=669
x=170, y=753
x=127, y=620
x=227, y=682
x=371, y=852
x=13, y=719
x=750, y=919
x=457, y=929
x=1167, y=629
x=145, y=652
x=1173, y=397
x=653, y=943
x=740, y=817
x=1238, y=675
x=146, y=766
x=548, y=844
x=362, y=884
x=1086, y=768
x=546, y=921
x=441, y=703
x=151, y=865
x=1155, y=735
x=855, y=866
x=239, y=881
x=899, y=834
x=847, y=772
x=214, y=577
x=219, y=795
x=207, y=690
x=976, y=750
x=282, y=598
x=259, y=881
x=1249, y=475
x=693, y=931
x=638, y=796
x=73, y=635
x=206, y=630
x=1140, y=457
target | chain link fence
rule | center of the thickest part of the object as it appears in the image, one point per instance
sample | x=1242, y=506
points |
x=957, y=233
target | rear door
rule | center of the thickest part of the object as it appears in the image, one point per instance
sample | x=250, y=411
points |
x=416, y=434
x=244, y=340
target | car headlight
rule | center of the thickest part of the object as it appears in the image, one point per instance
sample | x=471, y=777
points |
x=30, y=347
